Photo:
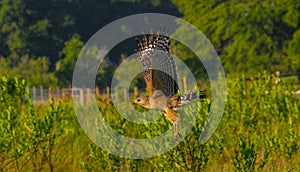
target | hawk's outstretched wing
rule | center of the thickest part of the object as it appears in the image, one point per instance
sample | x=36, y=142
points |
x=159, y=68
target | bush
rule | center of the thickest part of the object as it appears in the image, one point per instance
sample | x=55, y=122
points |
x=259, y=131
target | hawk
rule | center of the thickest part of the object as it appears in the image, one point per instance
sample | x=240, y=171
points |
x=160, y=75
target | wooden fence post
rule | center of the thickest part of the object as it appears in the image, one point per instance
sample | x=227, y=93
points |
x=125, y=94
x=63, y=94
x=184, y=85
x=41, y=93
x=58, y=93
x=81, y=93
x=107, y=92
x=88, y=96
x=49, y=93
x=33, y=94
x=135, y=91
x=97, y=91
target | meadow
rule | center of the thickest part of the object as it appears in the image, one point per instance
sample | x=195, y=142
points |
x=259, y=131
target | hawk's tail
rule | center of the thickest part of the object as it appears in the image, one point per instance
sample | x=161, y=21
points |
x=187, y=98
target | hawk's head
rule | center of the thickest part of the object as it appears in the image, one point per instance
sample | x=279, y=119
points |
x=143, y=101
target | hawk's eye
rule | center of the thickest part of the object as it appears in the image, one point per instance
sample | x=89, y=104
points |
x=138, y=99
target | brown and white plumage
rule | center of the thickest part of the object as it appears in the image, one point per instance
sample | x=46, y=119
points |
x=159, y=68
x=160, y=75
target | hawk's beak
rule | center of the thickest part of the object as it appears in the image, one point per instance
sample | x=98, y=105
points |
x=135, y=101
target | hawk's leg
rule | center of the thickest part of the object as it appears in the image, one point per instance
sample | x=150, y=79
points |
x=173, y=118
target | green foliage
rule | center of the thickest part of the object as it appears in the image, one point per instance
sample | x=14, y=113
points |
x=260, y=127
x=245, y=157
x=293, y=50
x=32, y=138
x=69, y=54
x=34, y=28
x=250, y=36
x=38, y=28
x=259, y=131
x=262, y=112
x=35, y=71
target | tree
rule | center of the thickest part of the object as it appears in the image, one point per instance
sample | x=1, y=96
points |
x=36, y=28
x=69, y=54
x=35, y=71
x=40, y=28
x=250, y=36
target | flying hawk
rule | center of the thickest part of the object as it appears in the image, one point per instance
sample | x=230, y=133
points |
x=160, y=75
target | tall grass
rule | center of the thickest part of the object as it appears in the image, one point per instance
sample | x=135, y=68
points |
x=259, y=131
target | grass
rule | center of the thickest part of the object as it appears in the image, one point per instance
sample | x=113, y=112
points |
x=259, y=131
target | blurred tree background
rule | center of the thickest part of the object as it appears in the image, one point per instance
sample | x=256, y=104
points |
x=250, y=36
x=40, y=40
